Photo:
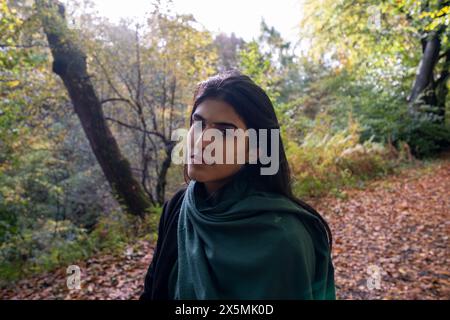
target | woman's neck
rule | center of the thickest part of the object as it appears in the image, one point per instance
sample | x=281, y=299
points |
x=212, y=187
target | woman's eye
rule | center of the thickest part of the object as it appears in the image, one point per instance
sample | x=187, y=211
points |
x=226, y=131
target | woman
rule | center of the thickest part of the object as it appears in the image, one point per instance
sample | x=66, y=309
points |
x=232, y=232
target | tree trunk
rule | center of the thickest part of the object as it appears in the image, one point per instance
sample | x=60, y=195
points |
x=69, y=62
x=423, y=91
x=441, y=86
x=162, y=177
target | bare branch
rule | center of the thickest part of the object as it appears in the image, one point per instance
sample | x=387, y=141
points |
x=129, y=126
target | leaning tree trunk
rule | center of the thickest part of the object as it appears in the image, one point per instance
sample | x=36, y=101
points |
x=69, y=62
x=423, y=91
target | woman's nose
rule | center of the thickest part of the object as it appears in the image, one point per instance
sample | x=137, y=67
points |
x=201, y=143
x=206, y=140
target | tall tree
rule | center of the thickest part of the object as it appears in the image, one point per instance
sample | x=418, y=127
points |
x=228, y=47
x=430, y=85
x=70, y=64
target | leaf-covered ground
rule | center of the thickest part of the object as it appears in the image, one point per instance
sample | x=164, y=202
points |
x=398, y=226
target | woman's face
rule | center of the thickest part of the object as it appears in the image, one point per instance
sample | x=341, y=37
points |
x=219, y=115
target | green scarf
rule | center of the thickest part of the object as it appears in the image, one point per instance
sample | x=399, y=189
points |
x=249, y=244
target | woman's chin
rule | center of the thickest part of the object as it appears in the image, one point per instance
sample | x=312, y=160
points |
x=198, y=172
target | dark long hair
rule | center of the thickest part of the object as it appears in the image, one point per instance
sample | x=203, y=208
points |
x=253, y=105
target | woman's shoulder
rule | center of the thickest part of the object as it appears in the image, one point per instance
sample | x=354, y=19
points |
x=290, y=227
x=301, y=232
x=175, y=201
x=170, y=208
x=292, y=224
x=179, y=193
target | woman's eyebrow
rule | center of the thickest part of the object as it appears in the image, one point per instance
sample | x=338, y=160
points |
x=196, y=116
x=226, y=124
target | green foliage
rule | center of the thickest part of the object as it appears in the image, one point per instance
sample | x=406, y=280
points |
x=381, y=111
x=117, y=230
x=324, y=161
x=50, y=244
x=425, y=137
x=257, y=65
